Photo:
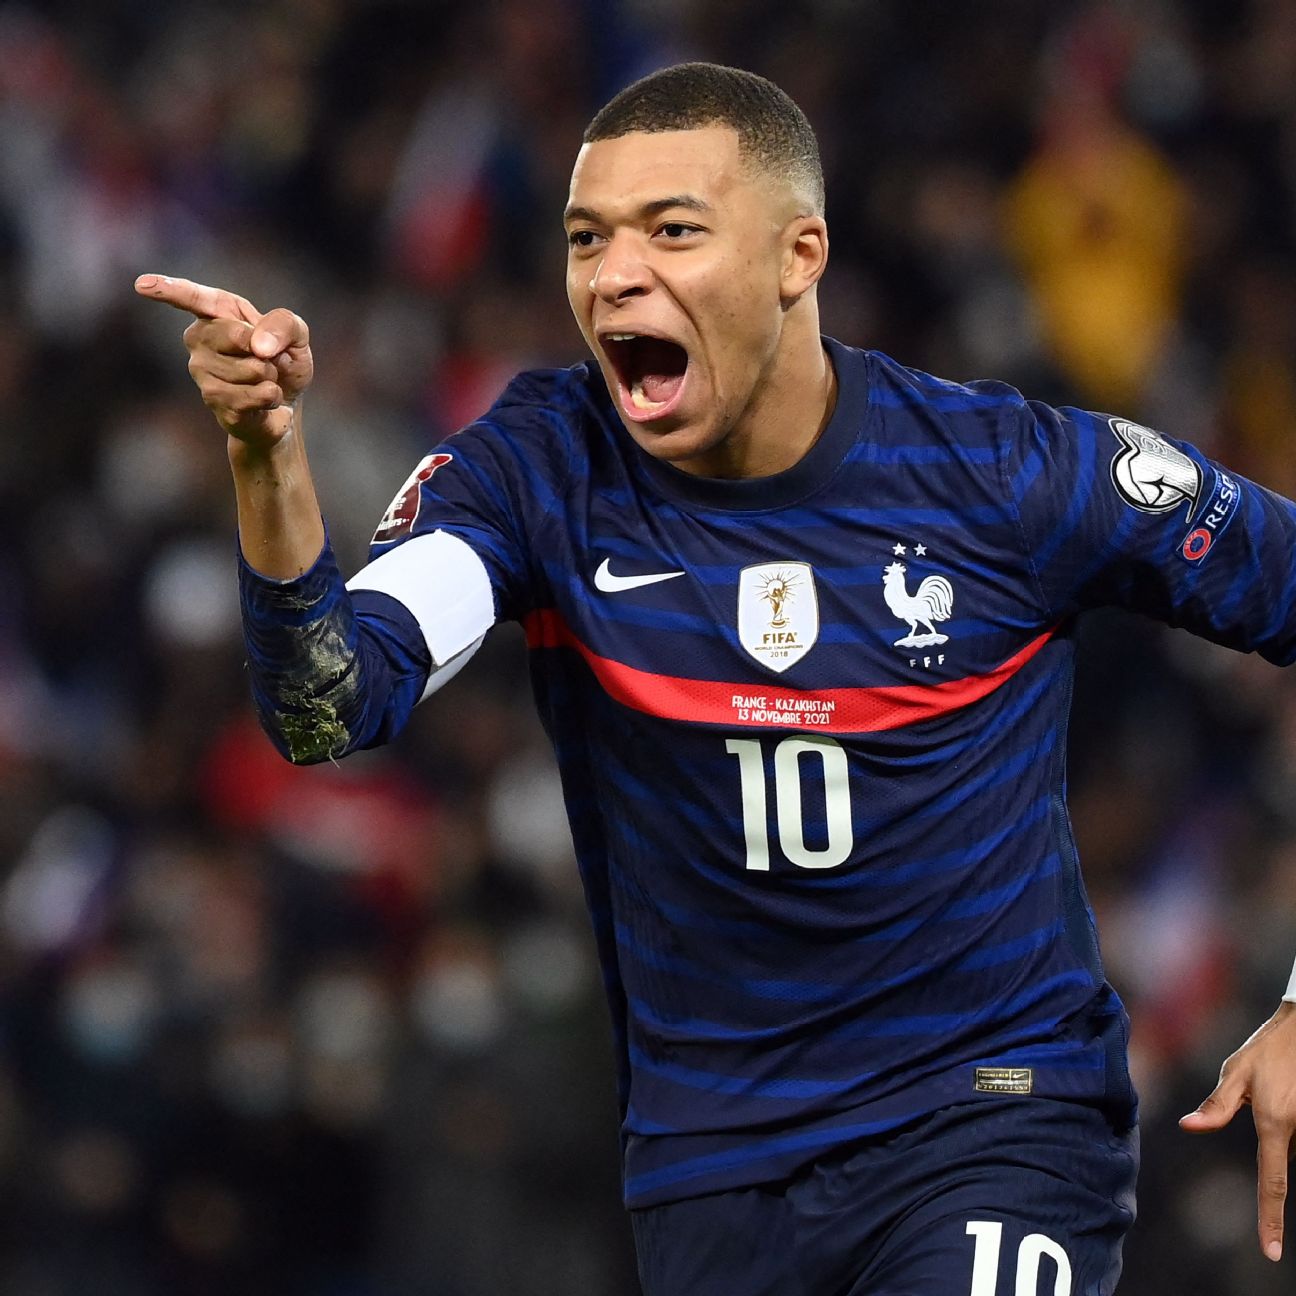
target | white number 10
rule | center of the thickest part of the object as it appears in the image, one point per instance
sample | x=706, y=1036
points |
x=1034, y=1246
x=787, y=801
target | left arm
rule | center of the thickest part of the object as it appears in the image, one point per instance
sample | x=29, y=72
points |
x=1114, y=514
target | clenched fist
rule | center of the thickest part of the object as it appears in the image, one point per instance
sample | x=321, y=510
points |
x=249, y=367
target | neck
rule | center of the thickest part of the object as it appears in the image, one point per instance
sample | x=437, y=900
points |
x=786, y=415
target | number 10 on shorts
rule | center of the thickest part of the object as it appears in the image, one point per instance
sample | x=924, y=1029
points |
x=1034, y=1248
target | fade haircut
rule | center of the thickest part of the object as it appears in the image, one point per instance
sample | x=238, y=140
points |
x=773, y=133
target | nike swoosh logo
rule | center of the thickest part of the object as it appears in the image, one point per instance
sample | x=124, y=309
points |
x=609, y=583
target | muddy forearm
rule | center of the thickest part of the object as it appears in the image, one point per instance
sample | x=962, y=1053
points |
x=303, y=647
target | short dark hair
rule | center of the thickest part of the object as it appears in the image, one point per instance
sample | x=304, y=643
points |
x=772, y=131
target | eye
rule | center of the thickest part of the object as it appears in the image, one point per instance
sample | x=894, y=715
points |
x=673, y=230
x=582, y=238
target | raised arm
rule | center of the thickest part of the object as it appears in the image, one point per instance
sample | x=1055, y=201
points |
x=251, y=370
x=323, y=682
x=336, y=667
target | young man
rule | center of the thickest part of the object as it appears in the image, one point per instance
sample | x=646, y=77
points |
x=800, y=630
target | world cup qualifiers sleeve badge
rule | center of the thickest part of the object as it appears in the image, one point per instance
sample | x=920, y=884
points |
x=403, y=511
x=1153, y=476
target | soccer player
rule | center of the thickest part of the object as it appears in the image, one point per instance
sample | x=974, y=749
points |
x=800, y=626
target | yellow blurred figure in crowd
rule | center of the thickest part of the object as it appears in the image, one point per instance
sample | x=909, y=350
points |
x=1097, y=219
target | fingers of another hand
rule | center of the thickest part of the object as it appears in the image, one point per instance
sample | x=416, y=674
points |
x=1271, y=1182
x=198, y=299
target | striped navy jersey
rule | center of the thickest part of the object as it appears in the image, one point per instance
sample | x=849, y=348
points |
x=811, y=729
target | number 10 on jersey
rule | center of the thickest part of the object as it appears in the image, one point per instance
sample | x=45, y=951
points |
x=794, y=759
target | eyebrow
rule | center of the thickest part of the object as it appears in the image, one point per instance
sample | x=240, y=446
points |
x=653, y=208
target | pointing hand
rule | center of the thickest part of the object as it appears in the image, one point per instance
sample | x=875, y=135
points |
x=249, y=367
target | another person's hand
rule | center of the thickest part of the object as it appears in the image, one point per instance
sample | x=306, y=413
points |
x=249, y=367
x=1263, y=1073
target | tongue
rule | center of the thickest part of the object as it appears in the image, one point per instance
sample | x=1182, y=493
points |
x=661, y=366
x=660, y=387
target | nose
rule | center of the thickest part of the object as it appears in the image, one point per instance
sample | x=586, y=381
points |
x=622, y=271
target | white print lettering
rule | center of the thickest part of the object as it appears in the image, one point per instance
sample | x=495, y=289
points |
x=760, y=708
x=939, y=659
x=1034, y=1248
x=1216, y=514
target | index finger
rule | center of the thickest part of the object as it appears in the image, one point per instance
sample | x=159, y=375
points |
x=198, y=299
x=1271, y=1186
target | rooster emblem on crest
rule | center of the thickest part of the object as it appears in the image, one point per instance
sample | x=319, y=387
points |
x=933, y=601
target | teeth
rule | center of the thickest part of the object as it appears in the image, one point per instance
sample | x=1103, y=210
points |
x=641, y=401
x=622, y=337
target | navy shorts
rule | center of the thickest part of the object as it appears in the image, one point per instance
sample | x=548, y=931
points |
x=1004, y=1197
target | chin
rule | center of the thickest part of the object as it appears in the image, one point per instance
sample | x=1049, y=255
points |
x=677, y=446
x=674, y=439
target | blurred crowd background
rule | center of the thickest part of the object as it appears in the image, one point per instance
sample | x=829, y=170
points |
x=338, y=1031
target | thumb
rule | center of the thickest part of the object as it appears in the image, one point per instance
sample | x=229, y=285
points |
x=278, y=331
x=1217, y=1108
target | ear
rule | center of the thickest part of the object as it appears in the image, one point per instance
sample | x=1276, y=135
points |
x=805, y=255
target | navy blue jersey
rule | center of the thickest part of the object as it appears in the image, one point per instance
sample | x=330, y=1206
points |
x=811, y=730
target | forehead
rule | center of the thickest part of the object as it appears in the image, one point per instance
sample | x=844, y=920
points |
x=626, y=172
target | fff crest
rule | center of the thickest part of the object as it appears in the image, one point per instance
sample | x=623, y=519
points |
x=778, y=612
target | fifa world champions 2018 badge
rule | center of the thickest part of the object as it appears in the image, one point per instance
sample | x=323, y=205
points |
x=778, y=612
x=403, y=511
x=1153, y=476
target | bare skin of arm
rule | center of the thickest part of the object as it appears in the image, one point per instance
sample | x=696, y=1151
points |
x=252, y=370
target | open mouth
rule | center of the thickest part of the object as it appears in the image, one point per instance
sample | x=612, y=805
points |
x=651, y=373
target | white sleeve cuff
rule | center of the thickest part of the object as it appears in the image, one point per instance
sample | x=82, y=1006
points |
x=445, y=586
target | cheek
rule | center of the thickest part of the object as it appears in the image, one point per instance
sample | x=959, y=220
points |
x=579, y=297
x=748, y=288
x=746, y=320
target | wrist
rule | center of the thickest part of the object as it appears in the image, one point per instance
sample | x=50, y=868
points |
x=278, y=440
x=266, y=459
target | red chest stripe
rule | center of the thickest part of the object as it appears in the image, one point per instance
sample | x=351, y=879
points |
x=761, y=705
